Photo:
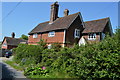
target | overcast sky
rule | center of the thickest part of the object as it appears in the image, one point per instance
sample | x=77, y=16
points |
x=23, y=18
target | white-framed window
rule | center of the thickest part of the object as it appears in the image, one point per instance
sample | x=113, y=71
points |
x=51, y=34
x=77, y=33
x=35, y=35
x=92, y=36
x=4, y=44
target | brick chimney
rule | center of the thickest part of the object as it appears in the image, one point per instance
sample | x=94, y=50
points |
x=66, y=12
x=13, y=35
x=54, y=12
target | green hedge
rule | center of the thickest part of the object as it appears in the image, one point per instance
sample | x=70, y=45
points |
x=100, y=60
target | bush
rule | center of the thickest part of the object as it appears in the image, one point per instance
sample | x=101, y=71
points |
x=56, y=46
x=100, y=60
x=36, y=71
x=28, y=53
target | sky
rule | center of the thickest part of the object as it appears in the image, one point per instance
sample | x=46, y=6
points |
x=27, y=15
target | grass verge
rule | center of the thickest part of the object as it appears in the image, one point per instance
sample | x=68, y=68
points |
x=14, y=65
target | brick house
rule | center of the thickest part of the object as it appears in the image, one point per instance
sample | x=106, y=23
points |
x=69, y=29
x=96, y=30
x=11, y=42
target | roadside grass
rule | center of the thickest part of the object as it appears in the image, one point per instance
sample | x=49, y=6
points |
x=14, y=65
x=50, y=75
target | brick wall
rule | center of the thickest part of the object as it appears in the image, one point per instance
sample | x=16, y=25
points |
x=59, y=37
x=32, y=40
x=4, y=47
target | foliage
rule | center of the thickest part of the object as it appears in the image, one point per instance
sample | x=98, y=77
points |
x=56, y=46
x=24, y=37
x=42, y=43
x=26, y=54
x=99, y=60
x=36, y=71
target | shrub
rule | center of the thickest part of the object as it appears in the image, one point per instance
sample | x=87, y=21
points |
x=92, y=61
x=36, y=71
x=56, y=46
x=28, y=52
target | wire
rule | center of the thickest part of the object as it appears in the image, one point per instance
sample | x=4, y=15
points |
x=11, y=10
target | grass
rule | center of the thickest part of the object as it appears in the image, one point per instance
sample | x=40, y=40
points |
x=14, y=65
x=50, y=75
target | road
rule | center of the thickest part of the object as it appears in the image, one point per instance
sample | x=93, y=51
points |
x=9, y=73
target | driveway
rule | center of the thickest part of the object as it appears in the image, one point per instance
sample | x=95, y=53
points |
x=9, y=73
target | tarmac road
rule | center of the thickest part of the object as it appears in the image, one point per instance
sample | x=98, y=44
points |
x=9, y=73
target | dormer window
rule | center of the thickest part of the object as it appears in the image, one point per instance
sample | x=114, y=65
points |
x=92, y=36
x=35, y=35
x=77, y=33
x=51, y=34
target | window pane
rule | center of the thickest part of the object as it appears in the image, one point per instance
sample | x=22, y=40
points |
x=51, y=34
x=77, y=33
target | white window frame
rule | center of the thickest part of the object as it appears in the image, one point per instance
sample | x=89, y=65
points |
x=77, y=33
x=92, y=36
x=51, y=34
x=35, y=35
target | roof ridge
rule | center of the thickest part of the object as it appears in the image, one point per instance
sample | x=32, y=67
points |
x=98, y=19
x=70, y=15
x=43, y=22
x=59, y=18
x=13, y=38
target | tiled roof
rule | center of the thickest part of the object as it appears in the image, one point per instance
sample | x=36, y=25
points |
x=14, y=41
x=95, y=25
x=58, y=24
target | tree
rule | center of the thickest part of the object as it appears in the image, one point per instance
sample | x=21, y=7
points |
x=24, y=37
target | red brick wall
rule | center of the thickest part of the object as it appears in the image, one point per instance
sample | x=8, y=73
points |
x=4, y=47
x=59, y=37
x=32, y=40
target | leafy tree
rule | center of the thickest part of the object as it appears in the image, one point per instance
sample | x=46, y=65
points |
x=24, y=37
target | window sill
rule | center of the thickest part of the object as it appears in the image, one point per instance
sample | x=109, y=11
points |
x=50, y=36
x=77, y=37
x=91, y=38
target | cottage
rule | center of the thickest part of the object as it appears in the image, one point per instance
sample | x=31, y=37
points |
x=96, y=30
x=69, y=29
x=12, y=42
